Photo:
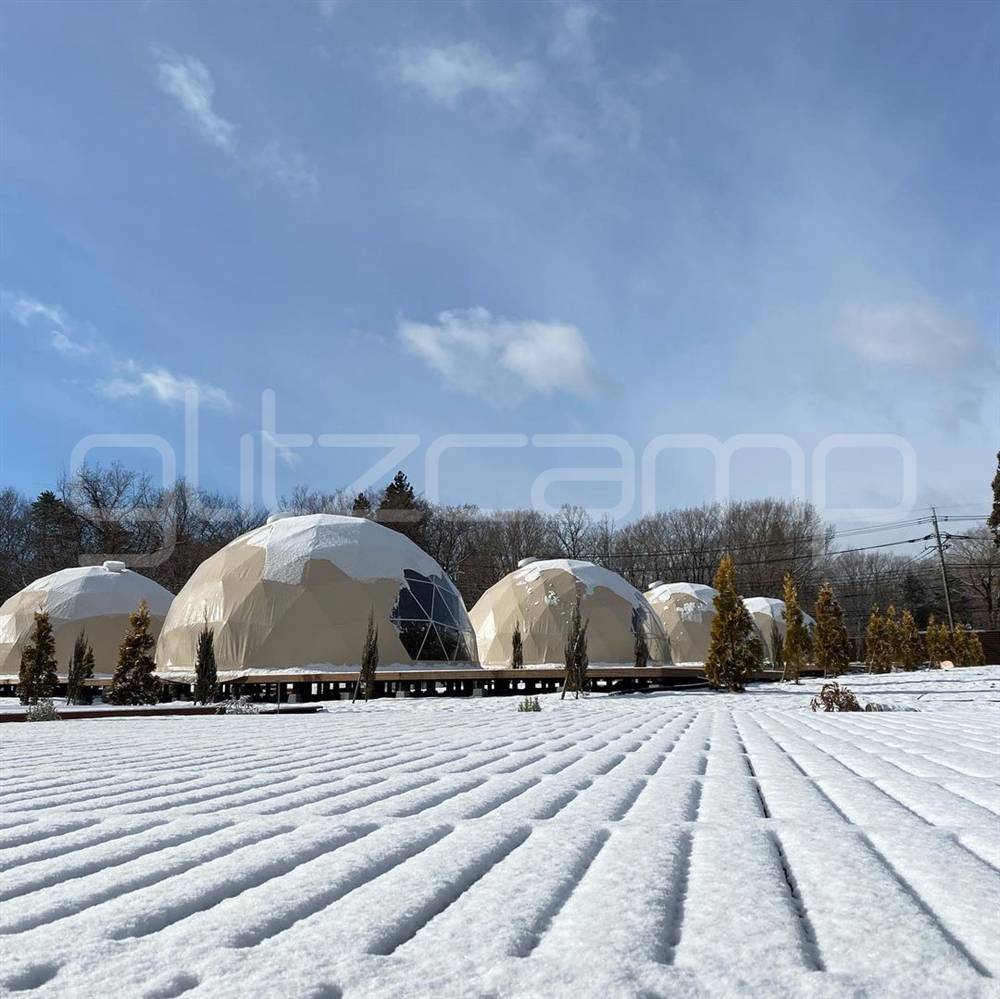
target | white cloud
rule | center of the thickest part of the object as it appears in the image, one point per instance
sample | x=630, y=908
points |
x=163, y=386
x=289, y=168
x=919, y=333
x=288, y=456
x=26, y=310
x=572, y=41
x=29, y=312
x=132, y=380
x=477, y=353
x=69, y=348
x=447, y=73
x=574, y=108
x=189, y=82
x=327, y=8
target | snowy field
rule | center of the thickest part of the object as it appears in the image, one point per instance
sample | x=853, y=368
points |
x=667, y=844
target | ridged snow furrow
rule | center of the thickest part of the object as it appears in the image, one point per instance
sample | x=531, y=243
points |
x=666, y=844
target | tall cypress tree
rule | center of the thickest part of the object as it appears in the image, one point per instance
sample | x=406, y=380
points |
x=796, y=645
x=877, y=651
x=777, y=648
x=892, y=637
x=517, y=648
x=976, y=655
x=576, y=660
x=640, y=649
x=369, y=661
x=962, y=641
x=735, y=652
x=81, y=669
x=831, y=648
x=205, y=671
x=994, y=521
x=37, y=675
x=134, y=680
x=938, y=642
x=911, y=649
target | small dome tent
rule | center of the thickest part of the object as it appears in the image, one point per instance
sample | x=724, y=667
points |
x=94, y=598
x=539, y=597
x=768, y=615
x=296, y=592
x=686, y=611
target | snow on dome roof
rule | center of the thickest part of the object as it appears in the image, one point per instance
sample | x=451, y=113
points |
x=589, y=574
x=663, y=591
x=359, y=547
x=539, y=597
x=89, y=590
x=766, y=605
x=96, y=598
x=295, y=593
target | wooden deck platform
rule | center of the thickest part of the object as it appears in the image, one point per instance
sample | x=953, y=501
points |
x=299, y=688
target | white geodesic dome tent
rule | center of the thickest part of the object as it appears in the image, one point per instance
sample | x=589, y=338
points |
x=539, y=597
x=686, y=611
x=96, y=599
x=294, y=595
x=768, y=615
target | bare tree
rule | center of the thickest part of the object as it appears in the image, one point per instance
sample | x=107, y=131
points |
x=975, y=561
x=570, y=531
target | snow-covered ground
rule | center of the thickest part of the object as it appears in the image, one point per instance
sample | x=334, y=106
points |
x=666, y=844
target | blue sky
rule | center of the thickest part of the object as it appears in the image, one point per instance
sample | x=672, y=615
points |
x=427, y=219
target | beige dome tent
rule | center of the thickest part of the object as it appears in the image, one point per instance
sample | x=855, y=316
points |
x=295, y=595
x=768, y=614
x=686, y=611
x=539, y=596
x=95, y=598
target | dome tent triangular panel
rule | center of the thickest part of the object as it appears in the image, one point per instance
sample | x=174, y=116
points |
x=295, y=594
x=686, y=611
x=539, y=597
x=768, y=615
x=97, y=599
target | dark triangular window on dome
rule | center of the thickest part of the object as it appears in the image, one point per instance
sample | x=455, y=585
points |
x=411, y=636
x=449, y=641
x=442, y=612
x=423, y=599
x=424, y=592
x=407, y=607
x=433, y=650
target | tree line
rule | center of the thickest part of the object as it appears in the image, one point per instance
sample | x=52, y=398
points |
x=115, y=512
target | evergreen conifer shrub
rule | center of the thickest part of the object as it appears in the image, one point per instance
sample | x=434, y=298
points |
x=576, y=660
x=369, y=661
x=911, y=648
x=830, y=643
x=796, y=645
x=206, y=673
x=81, y=669
x=37, y=678
x=735, y=652
x=134, y=680
x=517, y=648
x=878, y=654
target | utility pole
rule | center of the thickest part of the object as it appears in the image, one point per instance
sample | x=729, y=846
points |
x=944, y=570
